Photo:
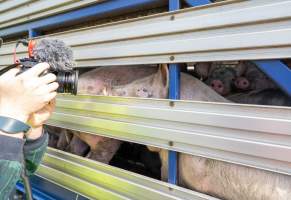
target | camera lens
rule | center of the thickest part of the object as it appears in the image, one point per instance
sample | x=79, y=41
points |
x=68, y=82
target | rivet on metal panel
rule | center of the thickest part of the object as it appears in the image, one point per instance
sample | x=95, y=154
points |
x=172, y=103
x=172, y=58
x=171, y=143
x=172, y=18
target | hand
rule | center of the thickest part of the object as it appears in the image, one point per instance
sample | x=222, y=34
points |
x=37, y=119
x=26, y=93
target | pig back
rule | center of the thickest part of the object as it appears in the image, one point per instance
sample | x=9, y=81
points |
x=94, y=81
x=262, y=97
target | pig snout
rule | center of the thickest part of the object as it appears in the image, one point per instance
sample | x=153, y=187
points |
x=242, y=83
x=218, y=86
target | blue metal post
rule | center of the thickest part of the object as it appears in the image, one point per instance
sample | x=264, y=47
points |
x=278, y=72
x=174, y=93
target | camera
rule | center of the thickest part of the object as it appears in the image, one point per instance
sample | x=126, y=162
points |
x=56, y=54
x=67, y=80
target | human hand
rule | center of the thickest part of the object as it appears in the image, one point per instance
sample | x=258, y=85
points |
x=38, y=118
x=26, y=93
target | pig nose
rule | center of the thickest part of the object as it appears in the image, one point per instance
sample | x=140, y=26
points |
x=242, y=83
x=217, y=85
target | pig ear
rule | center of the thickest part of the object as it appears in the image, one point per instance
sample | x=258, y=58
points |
x=241, y=68
x=202, y=69
x=212, y=67
x=163, y=75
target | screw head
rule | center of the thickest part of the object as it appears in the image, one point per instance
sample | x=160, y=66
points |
x=172, y=103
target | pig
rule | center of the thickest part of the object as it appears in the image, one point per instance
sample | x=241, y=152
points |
x=58, y=138
x=219, y=75
x=95, y=82
x=251, y=78
x=217, y=178
x=78, y=146
x=244, y=76
x=262, y=97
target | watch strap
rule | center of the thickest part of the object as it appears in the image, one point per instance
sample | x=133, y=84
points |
x=13, y=126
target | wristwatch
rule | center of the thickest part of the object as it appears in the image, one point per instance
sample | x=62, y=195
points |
x=13, y=126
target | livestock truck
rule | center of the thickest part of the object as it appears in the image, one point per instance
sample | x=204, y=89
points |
x=168, y=106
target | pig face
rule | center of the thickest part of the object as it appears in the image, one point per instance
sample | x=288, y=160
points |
x=221, y=80
x=154, y=86
x=242, y=83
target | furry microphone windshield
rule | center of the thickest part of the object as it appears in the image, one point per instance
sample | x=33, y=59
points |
x=56, y=53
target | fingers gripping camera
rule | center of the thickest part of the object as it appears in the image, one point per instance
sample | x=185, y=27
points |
x=57, y=54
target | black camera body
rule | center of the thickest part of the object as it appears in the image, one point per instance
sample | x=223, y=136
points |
x=67, y=80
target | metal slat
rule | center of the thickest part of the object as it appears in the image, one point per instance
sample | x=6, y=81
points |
x=23, y=11
x=257, y=136
x=97, y=11
x=233, y=30
x=99, y=181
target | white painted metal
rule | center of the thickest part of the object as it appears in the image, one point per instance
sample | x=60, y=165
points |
x=257, y=136
x=232, y=30
x=99, y=181
x=18, y=11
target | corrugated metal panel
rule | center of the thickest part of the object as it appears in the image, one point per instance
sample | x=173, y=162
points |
x=99, y=181
x=233, y=30
x=18, y=11
x=257, y=136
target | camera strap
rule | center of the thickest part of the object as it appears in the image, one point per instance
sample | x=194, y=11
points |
x=12, y=126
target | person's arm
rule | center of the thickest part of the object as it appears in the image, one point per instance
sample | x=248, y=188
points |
x=34, y=151
x=10, y=163
x=37, y=139
x=20, y=95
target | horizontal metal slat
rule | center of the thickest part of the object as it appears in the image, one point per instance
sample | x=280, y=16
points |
x=256, y=136
x=233, y=30
x=99, y=181
x=15, y=12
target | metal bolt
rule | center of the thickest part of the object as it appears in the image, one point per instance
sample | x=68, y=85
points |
x=190, y=68
x=172, y=17
x=172, y=103
x=172, y=58
x=171, y=143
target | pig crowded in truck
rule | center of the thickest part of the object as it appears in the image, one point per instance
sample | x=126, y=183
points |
x=217, y=178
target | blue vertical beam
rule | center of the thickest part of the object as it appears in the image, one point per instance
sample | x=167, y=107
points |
x=278, y=72
x=174, y=93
